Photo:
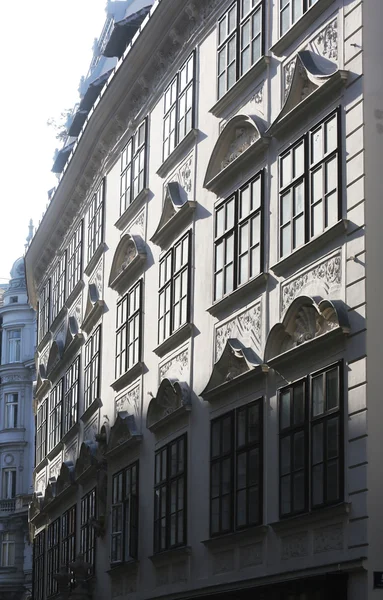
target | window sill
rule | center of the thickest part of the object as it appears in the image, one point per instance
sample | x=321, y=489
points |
x=165, y=555
x=130, y=566
x=239, y=297
x=95, y=258
x=177, y=154
x=59, y=317
x=300, y=27
x=132, y=210
x=96, y=404
x=43, y=463
x=41, y=345
x=72, y=431
x=305, y=251
x=10, y=429
x=240, y=87
x=175, y=339
x=236, y=536
x=128, y=377
x=318, y=515
x=74, y=293
x=55, y=451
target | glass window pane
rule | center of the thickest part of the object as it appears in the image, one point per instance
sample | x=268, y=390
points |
x=332, y=438
x=317, y=185
x=299, y=159
x=215, y=438
x=299, y=404
x=226, y=435
x=285, y=19
x=286, y=240
x=244, y=205
x=317, y=396
x=332, y=389
x=286, y=173
x=241, y=508
x=297, y=9
x=299, y=231
x=241, y=427
x=331, y=209
x=230, y=214
x=241, y=470
x=317, y=443
x=285, y=208
x=317, y=224
x=332, y=174
x=299, y=491
x=253, y=424
x=299, y=450
x=285, y=495
x=331, y=134
x=285, y=460
x=317, y=483
x=232, y=18
x=317, y=145
x=333, y=481
x=285, y=409
x=298, y=199
x=253, y=467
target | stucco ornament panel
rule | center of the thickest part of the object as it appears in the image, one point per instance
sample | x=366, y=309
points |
x=97, y=277
x=91, y=430
x=76, y=310
x=250, y=555
x=177, y=367
x=186, y=173
x=43, y=358
x=257, y=98
x=245, y=327
x=9, y=459
x=70, y=454
x=294, y=546
x=162, y=575
x=223, y=562
x=173, y=398
x=323, y=279
x=130, y=402
x=137, y=226
x=40, y=484
x=180, y=571
x=11, y=378
x=328, y=538
x=54, y=469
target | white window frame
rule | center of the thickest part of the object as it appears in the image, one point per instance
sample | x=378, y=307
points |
x=8, y=550
x=14, y=346
x=11, y=406
x=9, y=484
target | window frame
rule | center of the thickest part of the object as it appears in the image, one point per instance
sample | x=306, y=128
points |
x=58, y=286
x=13, y=408
x=307, y=427
x=53, y=556
x=92, y=367
x=165, y=483
x=9, y=489
x=169, y=283
x=132, y=319
x=95, y=218
x=129, y=164
x=306, y=180
x=236, y=35
x=232, y=455
x=8, y=542
x=71, y=395
x=68, y=538
x=234, y=231
x=55, y=421
x=129, y=511
x=41, y=431
x=38, y=571
x=44, y=310
x=75, y=259
x=14, y=346
x=174, y=105
x=88, y=510
x=305, y=4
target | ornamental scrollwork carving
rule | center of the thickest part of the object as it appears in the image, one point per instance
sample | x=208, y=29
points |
x=246, y=327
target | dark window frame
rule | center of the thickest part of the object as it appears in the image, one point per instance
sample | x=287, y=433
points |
x=44, y=310
x=95, y=217
x=173, y=96
x=41, y=431
x=133, y=154
x=74, y=259
x=307, y=426
x=71, y=395
x=305, y=180
x=234, y=37
x=234, y=232
x=167, y=289
x=231, y=456
x=53, y=556
x=58, y=286
x=163, y=485
x=68, y=538
x=283, y=7
x=87, y=532
x=126, y=320
x=55, y=408
x=124, y=515
x=14, y=412
x=38, y=571
x=92, y=369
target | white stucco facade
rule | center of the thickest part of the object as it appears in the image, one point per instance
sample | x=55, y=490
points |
x=207, y=309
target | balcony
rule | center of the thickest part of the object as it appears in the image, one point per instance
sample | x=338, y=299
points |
x=7, y=506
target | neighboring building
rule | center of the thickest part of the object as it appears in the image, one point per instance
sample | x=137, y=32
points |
x=200, y=280
x=18, y=333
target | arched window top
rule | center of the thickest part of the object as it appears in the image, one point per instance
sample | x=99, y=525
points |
x=173, y=398
x=304, y=321
x=177, y=211
x=127, y=261
x=66, y=476
x=241, y=140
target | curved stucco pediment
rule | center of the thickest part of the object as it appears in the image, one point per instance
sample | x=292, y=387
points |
x=176, y=211
x=123, y=432
x=129, y=255
x=88, y=457
x=173, y=397
x=66, y=476
x=235, y=360
x=240, y=139
x=55, y=354
x=304, y=321
x=94, y=308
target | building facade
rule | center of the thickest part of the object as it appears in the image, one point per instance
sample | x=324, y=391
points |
x=200, y=280
x=17, y=373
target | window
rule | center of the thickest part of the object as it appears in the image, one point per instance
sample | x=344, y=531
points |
x=95, y=221
x=178, y=107
x=74, y=254
x=58, y=286
x=291, y=11
x=55, y=415
x=14, y=345
x=174, y=294
x=236, y=470
x=238, y=254
x=9, y=484
x=170, y=496
x=71, y=395
x=310, y=199
x=240, y=42
x=11, y=407
x=8, y=550
x=87, y=534
x=133, y=168
x=128, y=336
x=13, y=300
x=38, y=566
x=68, y=537
x=92, y=367
x=41, y=431
x=53, y=556
x=124, y=536
x=310, y=443
x=44, y=307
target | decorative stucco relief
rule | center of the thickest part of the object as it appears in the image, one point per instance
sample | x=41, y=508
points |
x=70, y=454
x=137, y=226
x=40, y=484
x=162, y=575
x=246, y=327
x=43, y=358
x=54, y=468
x=295, y=546
x=177, y=367
x=324, y=278
x=59, y=336
x=257, y=97
x=186, y=176
x=9, y=459
x=250, y=555
x=91, y=430
x=223, y=562
x=76, y=310
x=328, y=538
x=180, y=571
x=130, y=402
x=11, y=378
x=244, y=138
x=97, y=277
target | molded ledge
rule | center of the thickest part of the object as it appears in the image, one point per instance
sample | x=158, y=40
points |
x=166, y=555
x=47, y=338
x=74, y=293
x=177, y=338
x=118, y=569
x=93, y=316
x=95, y=258
x=174, y=158
x=128, y=275
x=301, y=26
x=240, y=87
x=306, y=251
x=234, y=537
x=58, y=318
x=224, y=388
x=185, y=408
x=96, y=404
x=129, y=443
x=132, y=210
x=319, y=515
x=128, y=377
x=241, y=294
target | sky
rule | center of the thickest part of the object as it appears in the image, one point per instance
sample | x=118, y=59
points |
x=46, y=48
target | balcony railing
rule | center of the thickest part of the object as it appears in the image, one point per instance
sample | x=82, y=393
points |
x=8, y=505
